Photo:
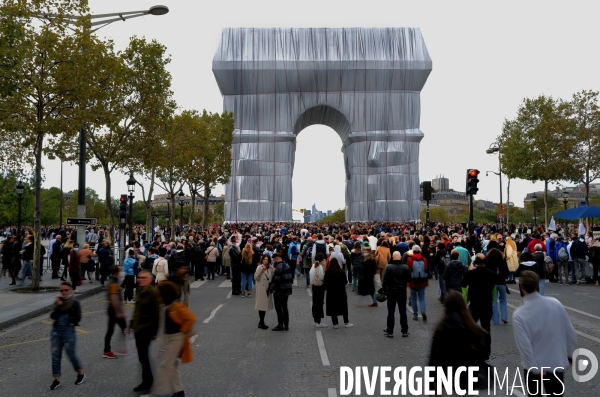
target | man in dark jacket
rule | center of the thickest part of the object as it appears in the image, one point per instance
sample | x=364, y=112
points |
x=55, y=257
x=395, y=280
x=479, y=289
x=144, y=325
x=538, y=257
x=454, y=272
x=236, y=271
x=579, y=251
x=282, y=289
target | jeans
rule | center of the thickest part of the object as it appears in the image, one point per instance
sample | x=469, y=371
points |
x=112, y=320
x=572, y=268
x=483, y=314
x=581, y=263
x=500, y=295
x=142, y=343
x=563, y=268
x=442, y=289
x=27, y=270
x=281, y=307
x=413, y=297
x=63, y=337
x=247, y=281
x=236, y=280
x=399, y=299
x=542, y=286
x=350, y=279
x=307, y=274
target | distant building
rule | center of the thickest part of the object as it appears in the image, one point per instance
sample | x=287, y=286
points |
x=440, y=183
x=574, y=195
x=315, y=215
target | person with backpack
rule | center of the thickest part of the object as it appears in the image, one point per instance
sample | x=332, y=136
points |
x=306, y=260
x=320, y=246
x=562, y=260
x=148, y=263
x=293, y=252
x=131, y=269
x=356, y=259
x=418, y=271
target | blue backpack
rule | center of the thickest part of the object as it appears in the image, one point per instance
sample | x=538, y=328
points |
x=419, y=275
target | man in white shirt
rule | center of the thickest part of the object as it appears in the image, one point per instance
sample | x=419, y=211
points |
x=541, y=322
x=372, y=241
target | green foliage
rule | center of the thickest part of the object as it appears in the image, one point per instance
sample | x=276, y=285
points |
x=436, y=214
x=338, y=216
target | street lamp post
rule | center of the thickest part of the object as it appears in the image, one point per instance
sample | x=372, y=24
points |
x=181, y=204
x=533, y=200
x=53, y=157
x=20, y=189
x=494, y=147
x=131, y=188
x=565, y=199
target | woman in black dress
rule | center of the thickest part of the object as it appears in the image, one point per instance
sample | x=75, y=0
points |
x=336, y=303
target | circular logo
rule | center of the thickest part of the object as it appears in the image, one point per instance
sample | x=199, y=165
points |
x=584, y=360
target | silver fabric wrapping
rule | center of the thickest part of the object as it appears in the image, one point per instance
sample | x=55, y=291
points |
x=363, y=83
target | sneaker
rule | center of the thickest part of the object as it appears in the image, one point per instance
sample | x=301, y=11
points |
x=80, y=379
x=278, y=328
x=286, y=328
x=142, y=388
x=321, y=325
x=388, y=334
x=55, y=385
x=374, y=304
x=335, y=326
x=424, y=316
x=349, y=325
x=416, y=318
x=405, y=335
x=109, y=355
x=249, y=295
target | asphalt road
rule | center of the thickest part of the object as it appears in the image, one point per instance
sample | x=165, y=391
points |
x=235, y=358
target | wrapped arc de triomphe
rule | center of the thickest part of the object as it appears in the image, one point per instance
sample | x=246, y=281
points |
x=363, y=83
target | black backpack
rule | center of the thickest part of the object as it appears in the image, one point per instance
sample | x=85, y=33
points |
x=148, y=263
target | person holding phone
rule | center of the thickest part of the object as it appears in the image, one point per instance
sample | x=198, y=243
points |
x=264, y=300
x=66, y=314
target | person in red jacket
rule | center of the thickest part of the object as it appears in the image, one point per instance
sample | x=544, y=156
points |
x=417, y=265
x=535, y=240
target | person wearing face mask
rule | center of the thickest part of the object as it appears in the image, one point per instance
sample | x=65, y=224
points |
x=74, y=266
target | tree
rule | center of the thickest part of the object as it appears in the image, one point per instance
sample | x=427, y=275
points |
x=533, y=145
x=436, y=214
x=584, y=114
x=338, y=216
x=46, y=82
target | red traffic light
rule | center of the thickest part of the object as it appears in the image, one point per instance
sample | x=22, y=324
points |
x=473, y=173
x=123, y=199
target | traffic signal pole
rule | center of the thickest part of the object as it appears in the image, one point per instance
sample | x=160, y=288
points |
x=471, y=224
x=122, y=224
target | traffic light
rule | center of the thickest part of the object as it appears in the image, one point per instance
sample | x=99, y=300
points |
x=472, y=181
x=123, y=210
x=427, y=190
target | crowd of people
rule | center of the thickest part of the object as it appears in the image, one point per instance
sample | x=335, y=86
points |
x=391, y=263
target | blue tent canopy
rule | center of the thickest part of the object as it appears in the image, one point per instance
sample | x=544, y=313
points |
x=581, y=212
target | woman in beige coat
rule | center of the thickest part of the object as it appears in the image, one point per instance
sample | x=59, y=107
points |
x=512, y=259
x=263, y=302
x=160, y=268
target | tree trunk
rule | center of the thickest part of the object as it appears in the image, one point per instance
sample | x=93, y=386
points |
x=508, y=203
x=587, y=186
x=546, y=205
x=173, y=223
x=207, y=191
x=108, y=202
x=193, y=209
x=37, y=222
x=148, y=202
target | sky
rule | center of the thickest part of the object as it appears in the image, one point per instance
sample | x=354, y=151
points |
x=487, y=57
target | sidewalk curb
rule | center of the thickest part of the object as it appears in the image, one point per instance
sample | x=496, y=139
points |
x=46, y=309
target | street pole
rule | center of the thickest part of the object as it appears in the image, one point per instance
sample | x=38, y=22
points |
x=130, y=216
x=181, y=220
x=471, y=226
x=20, y=199
x=500, y=175
x=81, y=192
x=62, y=200
x=427, y=217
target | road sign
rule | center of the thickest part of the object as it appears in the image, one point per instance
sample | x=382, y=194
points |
x=501, y=216
x=81, y=221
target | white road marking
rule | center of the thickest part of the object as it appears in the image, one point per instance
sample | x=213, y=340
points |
x=197, y=283
x=571, y=308
x=331, y=392
x=309, y=291
x=322, y=350
x=590, y=337
x=212, y=314
x=229, y=295
x=225, y=284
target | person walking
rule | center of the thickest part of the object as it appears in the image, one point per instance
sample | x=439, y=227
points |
x=74, y=266
x=336, y=304
x=307, y=260
x=382, y=258
x=131, y=268
x=264, y=300
x=395, y=280
x=106, y=260
x=160, y=267
x=441, y=261
x=27, y=258
x=66, y=314
x=418, y=272
x=282, y=289
x=87, y=263
x=479, y=289
x=496, y=264
x=211, y=254
x=7, y=257
x=144, y=325
x=317, y=276
x=247, y=269
x=65, y=253
x=179, y=322
x=366, y=284
x=457, y=340
x=562, y=256
x=538, y=323
x=356, y=259
x=56, y=245
x=512, y=259
x=236, y=261
x=116, y=314
x=226, y=261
